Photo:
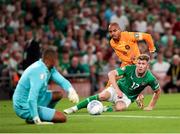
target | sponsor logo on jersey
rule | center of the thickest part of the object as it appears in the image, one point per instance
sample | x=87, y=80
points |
x=127, y=47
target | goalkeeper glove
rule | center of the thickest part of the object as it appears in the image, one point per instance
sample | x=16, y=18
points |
x=72, y=95
x=37, y=121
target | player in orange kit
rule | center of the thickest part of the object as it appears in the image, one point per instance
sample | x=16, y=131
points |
x=125, y=45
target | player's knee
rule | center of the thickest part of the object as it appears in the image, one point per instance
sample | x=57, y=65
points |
x=59, y=117
x=63, y=119
x=103, y=96
x=120, y=106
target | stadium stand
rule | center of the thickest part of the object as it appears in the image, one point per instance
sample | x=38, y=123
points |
x=79, y=27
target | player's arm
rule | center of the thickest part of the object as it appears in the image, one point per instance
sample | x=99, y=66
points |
x=112, y=78
x=66, y=85
x=147, y=37
x=36, y=83
x=157, y=91
x=153, y=100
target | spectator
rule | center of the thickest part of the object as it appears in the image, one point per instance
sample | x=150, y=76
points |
x=141, y=24
x=173, y=75
x=120, y=19
x=110, y=12
x=160, y=68
x=31, y=50
x=89, y=58
x=168, y=34
x=64, y=61
x=75, y=67
x=93, y=80
x=60, y=22
x=110, y=65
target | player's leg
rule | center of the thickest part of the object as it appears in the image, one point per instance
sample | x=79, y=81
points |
x=59, y=117
x=23, y=112
x=56, y=96
x=51, y=115
x=104, y=95
x=81, y=104
x=101, y=97
x=122, y=103
x=50, y=98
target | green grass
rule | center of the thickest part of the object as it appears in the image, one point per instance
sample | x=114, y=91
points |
x=164, y=119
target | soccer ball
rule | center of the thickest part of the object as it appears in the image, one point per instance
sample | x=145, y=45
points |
x=95, y=107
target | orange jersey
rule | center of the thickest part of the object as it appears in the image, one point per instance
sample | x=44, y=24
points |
x=127, y=48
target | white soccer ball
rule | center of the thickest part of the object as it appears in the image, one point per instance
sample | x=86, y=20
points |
x=95, y=107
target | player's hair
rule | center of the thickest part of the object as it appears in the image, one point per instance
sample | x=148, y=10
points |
x=114, y=24
x=49, y=53
x=144, y=57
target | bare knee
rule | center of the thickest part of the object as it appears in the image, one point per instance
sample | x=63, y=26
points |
x=104, y=96
x=120, y=106
x=59, y=117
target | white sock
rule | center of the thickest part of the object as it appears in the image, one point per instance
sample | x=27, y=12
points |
x=75, y=108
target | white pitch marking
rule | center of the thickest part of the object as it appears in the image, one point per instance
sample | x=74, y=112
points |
x=130, y=116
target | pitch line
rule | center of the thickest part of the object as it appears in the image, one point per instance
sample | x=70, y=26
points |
x=128, y=116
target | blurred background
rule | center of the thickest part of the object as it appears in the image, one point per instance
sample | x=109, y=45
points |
x=78, y=30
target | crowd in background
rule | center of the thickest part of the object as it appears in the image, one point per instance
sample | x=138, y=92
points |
x=78, y=30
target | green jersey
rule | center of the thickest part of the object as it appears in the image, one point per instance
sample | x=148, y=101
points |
x=132, y=85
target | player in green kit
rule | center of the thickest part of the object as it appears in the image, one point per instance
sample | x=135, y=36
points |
x=126, y=90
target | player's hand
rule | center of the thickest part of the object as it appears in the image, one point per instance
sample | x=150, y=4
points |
x=148, y=108
x=140, y=101
x=73, y=96
x=37, y=121
x=120, y=95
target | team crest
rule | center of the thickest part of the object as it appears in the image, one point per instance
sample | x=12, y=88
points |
x=42, y=76
x=127, y=47
x=143, y=83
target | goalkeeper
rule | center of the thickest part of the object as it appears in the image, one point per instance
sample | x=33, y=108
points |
x=32, y=100
x=126, y=90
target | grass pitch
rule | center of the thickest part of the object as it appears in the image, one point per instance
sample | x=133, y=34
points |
x=164, y=119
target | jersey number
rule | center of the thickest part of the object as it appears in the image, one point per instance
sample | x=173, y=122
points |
x=135, y=85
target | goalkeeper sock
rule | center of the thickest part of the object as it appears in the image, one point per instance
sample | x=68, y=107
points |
x=52, y=104
x=84, y=103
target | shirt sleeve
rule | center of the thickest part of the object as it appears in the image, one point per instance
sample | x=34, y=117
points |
x=121, y=71
x=36, y=83
x=154, y=84
x=60, y=80
x=147, y=37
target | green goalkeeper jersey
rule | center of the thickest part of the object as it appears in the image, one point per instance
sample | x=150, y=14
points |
x=131, y=85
